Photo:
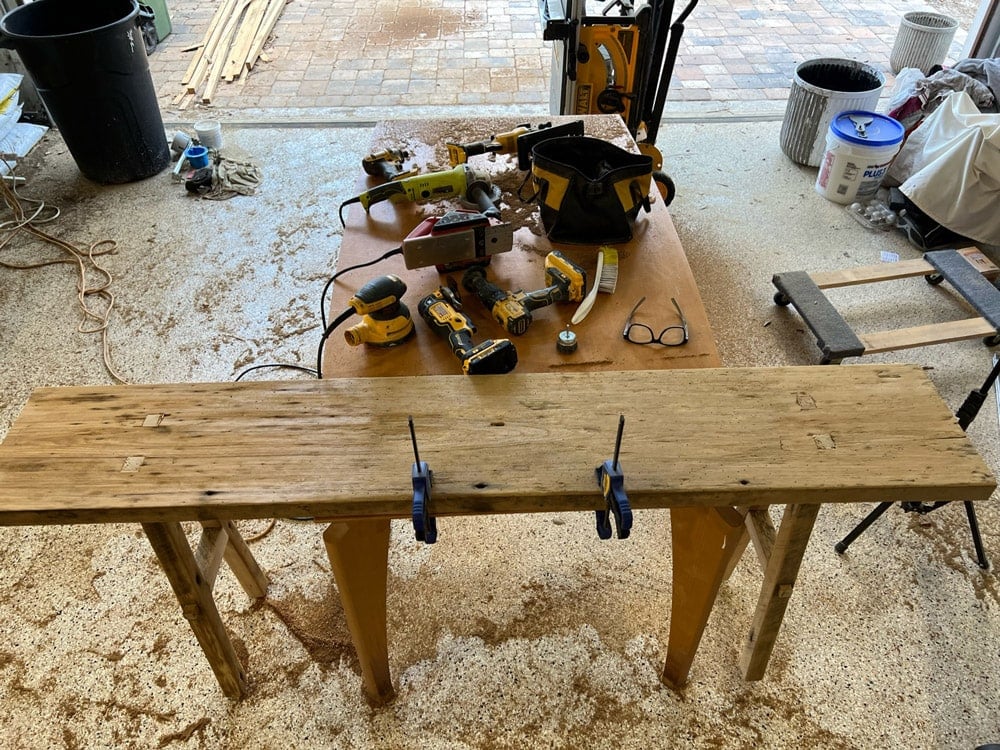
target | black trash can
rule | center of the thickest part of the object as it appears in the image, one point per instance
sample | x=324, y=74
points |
x=88, y=61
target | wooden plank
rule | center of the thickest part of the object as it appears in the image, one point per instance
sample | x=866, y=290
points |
x=240, y=47
x=208, y=555
x=902, y=269
x=252, y=450
x=218, y=59
x=195, y=72
x=195, y=597
x=779, y=582
x=359, y=556
x=271, y=16
x=762, y=534
x=926, y=335
x=241, y=561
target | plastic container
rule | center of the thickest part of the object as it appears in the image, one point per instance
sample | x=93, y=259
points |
x=922, y=41
x=860, y=147
x=88, y=62
x=821, y=89
x=180, y=142
x=197, y=156
x=161, y=18
x=209, y=133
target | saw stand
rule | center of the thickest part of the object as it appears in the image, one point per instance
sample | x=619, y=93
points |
x=966, y=414
x=967, y=270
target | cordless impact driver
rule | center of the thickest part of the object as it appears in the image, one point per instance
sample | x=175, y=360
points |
x=441, y=310
x=566, y=282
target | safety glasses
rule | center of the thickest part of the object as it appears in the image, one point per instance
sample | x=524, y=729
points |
x=640, y=333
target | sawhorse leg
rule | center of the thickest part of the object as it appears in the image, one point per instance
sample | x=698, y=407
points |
x=779, y=580
x=706, y=545
x=359, y=556
x=192, y=576
x=706, y=542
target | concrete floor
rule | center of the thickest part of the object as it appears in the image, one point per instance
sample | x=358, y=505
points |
x=514, y=632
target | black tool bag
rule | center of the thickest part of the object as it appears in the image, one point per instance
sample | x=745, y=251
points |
x=589, y=191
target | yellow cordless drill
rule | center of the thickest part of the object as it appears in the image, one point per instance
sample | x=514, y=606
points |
x=519, y=140
x=460, y=182
x=441, y=309
x=567, y=282
x=387, y=164
x=502, y=143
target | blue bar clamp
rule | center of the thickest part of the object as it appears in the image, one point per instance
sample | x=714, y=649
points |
x=424, y=524
x=612, y=483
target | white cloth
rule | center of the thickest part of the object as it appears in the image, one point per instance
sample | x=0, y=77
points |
x=950, y=168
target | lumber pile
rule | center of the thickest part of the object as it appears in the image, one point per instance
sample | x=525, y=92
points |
x=232, y=44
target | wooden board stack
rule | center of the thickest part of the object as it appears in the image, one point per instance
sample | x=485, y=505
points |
x=232, y=45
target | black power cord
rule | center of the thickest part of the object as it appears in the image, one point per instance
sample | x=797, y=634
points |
x=276, y=365
x=326, y=334
x=329, y=283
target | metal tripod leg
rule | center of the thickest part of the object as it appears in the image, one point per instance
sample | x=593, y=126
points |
x=858, y=530
x=970, y=511
x=977, y=539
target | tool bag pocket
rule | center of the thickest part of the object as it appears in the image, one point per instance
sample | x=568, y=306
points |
x=589, y=191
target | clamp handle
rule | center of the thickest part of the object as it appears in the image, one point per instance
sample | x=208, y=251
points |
x=424, y=524
x=612, y=483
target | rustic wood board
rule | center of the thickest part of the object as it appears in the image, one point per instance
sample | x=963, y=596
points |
x=497, y=444
x=652, y=264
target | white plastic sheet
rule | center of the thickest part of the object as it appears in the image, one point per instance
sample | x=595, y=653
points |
x=950, y=168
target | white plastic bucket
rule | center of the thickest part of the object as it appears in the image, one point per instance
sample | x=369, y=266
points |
x=860, y=147
x=209, y=133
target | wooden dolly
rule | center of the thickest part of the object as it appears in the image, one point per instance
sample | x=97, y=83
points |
x=715, y=446
x=967, y=270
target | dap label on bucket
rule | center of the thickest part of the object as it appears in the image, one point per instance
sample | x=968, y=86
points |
x=860, y=147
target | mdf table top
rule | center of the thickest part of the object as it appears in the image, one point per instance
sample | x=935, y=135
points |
x=651, y=265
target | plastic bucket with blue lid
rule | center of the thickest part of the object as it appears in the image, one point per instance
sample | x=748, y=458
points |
x=860, y=147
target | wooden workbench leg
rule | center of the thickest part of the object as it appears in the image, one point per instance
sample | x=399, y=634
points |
x=359, y=556
x=779, y=580
x=241, y=561
x=195, y=595
x=705, y=542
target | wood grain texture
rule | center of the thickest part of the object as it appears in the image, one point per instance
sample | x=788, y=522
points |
x=704, y=543
x=779, y=582
x=359, y=556
x=497, y=444
x=195, y=596
x=241, y=561
x=925, y=335
x=902, y=269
